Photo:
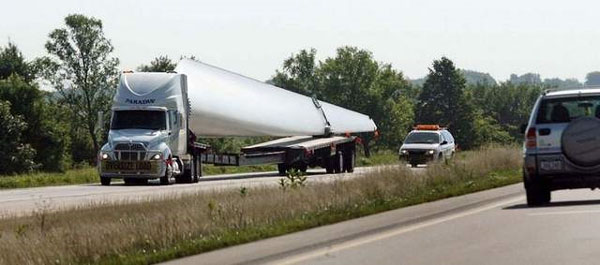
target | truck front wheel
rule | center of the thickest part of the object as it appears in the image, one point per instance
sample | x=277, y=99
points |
x=104, y=181
x=166, y=179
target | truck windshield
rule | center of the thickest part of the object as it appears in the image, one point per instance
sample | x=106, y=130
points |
x=422, y=138
x=139, y=119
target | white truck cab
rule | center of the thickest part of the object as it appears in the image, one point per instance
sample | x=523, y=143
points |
x=427, y=143
x=148, y=136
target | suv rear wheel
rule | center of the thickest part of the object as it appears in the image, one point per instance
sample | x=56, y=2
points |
x=537, y=193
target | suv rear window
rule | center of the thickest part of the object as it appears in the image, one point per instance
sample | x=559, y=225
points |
x=557, y=110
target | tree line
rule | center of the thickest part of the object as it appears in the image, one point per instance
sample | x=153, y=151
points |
x=58, y=127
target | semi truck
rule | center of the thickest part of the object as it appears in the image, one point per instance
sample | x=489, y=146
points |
x=156, y=119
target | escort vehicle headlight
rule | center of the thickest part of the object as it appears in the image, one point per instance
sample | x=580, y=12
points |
x=156, y=157
x=431, y=152
x=404, y=152
x=105, y=156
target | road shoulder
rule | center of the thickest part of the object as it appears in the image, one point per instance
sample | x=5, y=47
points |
x=279, y=248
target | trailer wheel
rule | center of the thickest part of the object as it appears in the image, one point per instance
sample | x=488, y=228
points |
x=329, y=165
x=104, y=181
x=349, y=161
x=302, y=167
x=198, y=173
x=338, y=163
x=282, y=168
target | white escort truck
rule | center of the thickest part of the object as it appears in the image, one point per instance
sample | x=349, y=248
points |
x=156, y=118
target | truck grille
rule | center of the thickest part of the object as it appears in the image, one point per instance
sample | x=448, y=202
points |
x=132, y=147
x=130, y=151
x=417, y=155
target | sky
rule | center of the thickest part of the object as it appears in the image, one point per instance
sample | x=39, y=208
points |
x=552, y=38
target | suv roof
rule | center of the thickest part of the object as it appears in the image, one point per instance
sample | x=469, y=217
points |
x=572, y=92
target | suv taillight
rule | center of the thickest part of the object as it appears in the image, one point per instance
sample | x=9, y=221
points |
x=530, y=138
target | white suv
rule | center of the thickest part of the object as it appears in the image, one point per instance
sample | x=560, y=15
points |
x=562, y=143
x=427, y=143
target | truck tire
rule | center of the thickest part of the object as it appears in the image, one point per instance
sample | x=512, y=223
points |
x=338, y=163
x=349, y=161
x=282, y=169
x=537, y=193
x=186, y=177
x=329, y=165
x=301, y=166
x=196, y=177
x=104, y=181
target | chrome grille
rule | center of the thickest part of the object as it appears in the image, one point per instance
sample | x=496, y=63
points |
x=130, y=151
x=132, y=147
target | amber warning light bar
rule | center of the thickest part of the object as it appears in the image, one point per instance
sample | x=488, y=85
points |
x=427, y=127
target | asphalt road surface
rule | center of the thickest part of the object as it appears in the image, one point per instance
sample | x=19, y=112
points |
x=490, y=227
x=25, y=201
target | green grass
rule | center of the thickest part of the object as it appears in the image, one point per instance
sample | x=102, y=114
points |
x=378, y=158
x=231, y=237
x=38, y=179
x=175, y=226
x=90, y=175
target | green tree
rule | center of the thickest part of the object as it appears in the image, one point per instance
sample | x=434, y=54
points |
x=443, y=101
x=393, y=110
x=159, y=64
x=354, y=80
x=299, y=74
x=15, y=156
x=46, y=132
x=81, y=69
x=509, y=105
x=13, y=62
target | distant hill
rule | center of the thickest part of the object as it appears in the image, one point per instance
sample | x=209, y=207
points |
x=475, y=77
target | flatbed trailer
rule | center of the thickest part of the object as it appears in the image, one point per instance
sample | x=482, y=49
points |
x=337, y=154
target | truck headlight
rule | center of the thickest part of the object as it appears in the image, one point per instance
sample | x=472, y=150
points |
x=404, y=152
x=105, y=156
x=156, y=157
x=431, y=152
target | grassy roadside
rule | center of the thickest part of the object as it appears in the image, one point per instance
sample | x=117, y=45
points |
x=90, y=175
x=148, y=232
x=39, y=179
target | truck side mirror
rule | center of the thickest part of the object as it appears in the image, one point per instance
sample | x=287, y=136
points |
x=523, y=128
x=444, y=142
